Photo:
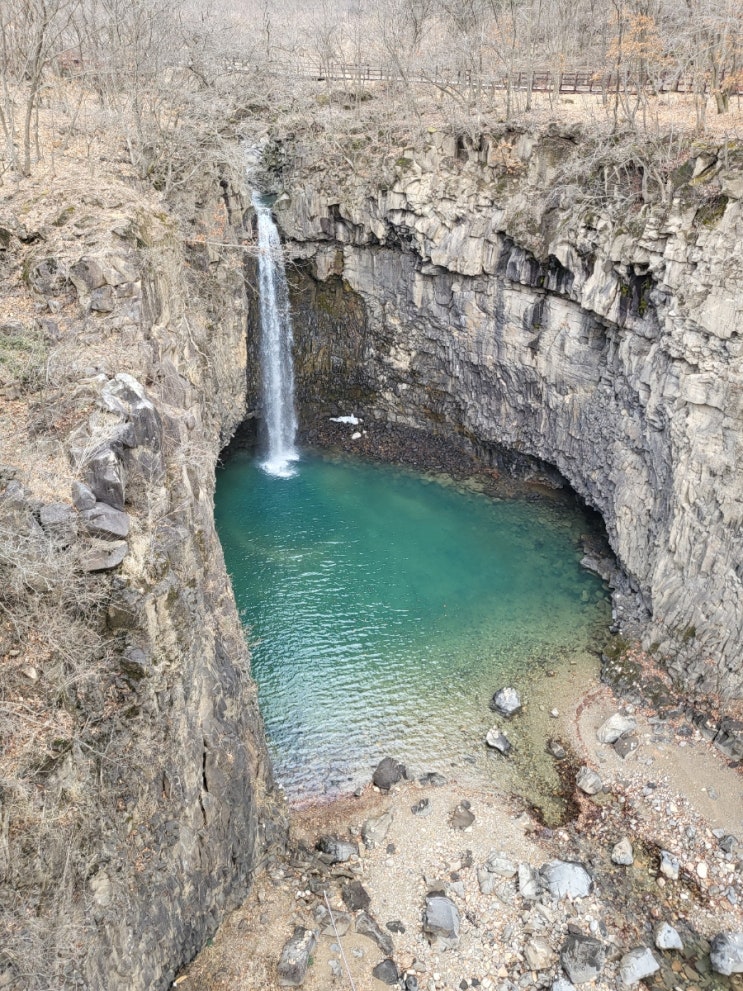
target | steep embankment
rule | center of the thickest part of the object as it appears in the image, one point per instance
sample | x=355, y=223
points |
x=519, y=294
x=135, y=791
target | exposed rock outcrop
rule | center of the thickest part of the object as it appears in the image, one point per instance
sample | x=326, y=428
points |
x=477, y=292
x=138, y=819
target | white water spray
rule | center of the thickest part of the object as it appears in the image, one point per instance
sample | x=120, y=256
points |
x=277, y=368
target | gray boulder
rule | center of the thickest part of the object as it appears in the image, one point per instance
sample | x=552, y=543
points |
x=566, y=879
x=388, y=772
x=355, y=896
x=102, y=555
x=614, y=727
x=726, y=953
x=82, y=497
x=636, y=965
x=667, y=938
x=582, y=958
x=55, y=515
x=506, y=702
x=105, y=477
x=295, y=957
x=105, y=521
x=441, y=919
x=366, y=926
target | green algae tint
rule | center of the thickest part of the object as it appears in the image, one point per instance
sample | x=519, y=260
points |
x=385, y=608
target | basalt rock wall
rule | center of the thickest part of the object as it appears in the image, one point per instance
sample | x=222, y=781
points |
x=506, y=308
x=137, y=803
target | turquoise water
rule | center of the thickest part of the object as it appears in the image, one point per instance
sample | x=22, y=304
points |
x=385, y=608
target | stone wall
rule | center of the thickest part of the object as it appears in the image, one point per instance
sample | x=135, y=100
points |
x=506, y=307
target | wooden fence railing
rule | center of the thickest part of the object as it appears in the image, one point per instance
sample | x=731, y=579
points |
x=539, y=81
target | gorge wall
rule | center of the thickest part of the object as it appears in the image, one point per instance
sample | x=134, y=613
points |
x=136, y=795
x=499, y=293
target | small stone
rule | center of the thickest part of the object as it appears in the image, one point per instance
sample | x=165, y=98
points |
x=636, y=965
x=562, y=985
x=395, y=926
x=554, y=713
x=615, y=727
x=669, y=865
x=667, y=938
x=538, y=953
x=374, y=831
x=366, y=926
x=728, y=843
x=355, y=896
x=441, y=919
x=702, y=869
x=557, y=749
x=295, y=957
x=506, y=702
x=386, y=972
x=421, y=808
x=626, y=745
x=582, y=958
x=589, y=781
x=566, y=879
x=498, y=741
x=462, y=817
x=622, y=853
x=434, y=779
x=726, y=953
x=335, y=968
x=336, y=850
x=498, y=863
x=530, y=882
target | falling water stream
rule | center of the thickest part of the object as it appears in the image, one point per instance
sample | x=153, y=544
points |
x=277, y=369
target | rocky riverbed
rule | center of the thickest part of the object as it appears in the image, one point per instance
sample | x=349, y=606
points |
x=457, y=886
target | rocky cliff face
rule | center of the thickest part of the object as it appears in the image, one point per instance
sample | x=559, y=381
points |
x=136, y=794
x=563, y=318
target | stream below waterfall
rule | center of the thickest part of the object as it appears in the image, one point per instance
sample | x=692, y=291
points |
x=384, y=608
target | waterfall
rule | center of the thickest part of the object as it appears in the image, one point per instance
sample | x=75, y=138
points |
x=277, y=369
